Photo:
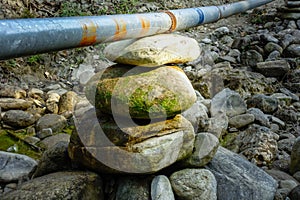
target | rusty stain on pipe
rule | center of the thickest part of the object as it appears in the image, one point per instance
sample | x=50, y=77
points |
x=89, y=33
x=145, y=25
x=120, y=29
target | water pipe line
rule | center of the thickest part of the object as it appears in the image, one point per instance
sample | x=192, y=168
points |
x=21, y=37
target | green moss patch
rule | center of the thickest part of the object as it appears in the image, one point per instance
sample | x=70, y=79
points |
x=7, y=140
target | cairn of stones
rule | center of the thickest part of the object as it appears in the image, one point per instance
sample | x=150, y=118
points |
x=137, y=108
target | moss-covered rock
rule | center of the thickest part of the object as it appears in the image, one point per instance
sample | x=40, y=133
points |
x=141, y=93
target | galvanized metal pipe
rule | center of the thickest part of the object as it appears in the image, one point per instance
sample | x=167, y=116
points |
x=20, y=37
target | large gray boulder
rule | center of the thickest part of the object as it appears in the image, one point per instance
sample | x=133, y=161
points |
x=237, y=178
x=60, y=185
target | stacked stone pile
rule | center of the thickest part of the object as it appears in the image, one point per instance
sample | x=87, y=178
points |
x=142, y=92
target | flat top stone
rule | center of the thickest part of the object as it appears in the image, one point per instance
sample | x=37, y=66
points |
x=154, y=50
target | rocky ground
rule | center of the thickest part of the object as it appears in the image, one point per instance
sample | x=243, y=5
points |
x=248, y=79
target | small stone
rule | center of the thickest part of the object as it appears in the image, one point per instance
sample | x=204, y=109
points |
x=54, y=159
x=287, y=114
x=289, y=93
x=260, y=117
x=292, y=24
x=52, y=87
x=45, y=132
x=270, y=46
x=133, y=188
x=293, y=3
x=154, y=50
x=286, y=144
x=218, y=125
x=295, y=157
x=297, y=176
x=227, y=102
x=53, y=121
x=293, y=50
x=265, y=103
x=295, y=193
x=289, y=184
x=12, y=92
x=52, y=102
x=283, y=99
x=269, y=38
x=197, y=115
x=18, y=118
x=35, y=92
x=161, y=188
x=240, y=121
x=251, y=58
x=14, y=104
x=52, y=140
x=190, y=184
x=258, y=144
x=286, y=40
x=276, y=121
x=228, y=58
x=15, y=167
x=206, y=41
x=276, y=68
x=67, y=102
x=205, y=147
x=219, y=32
x=274, y=55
